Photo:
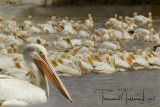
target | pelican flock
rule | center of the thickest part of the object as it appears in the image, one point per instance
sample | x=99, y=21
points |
x=32, y=53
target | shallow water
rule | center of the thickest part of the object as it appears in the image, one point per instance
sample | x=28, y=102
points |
x=82, y=88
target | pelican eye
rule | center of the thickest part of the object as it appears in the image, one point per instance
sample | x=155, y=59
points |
x=40, y=52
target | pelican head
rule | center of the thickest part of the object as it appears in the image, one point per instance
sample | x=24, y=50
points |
x=135, y=14
x=34, y=53
x=139, y=51
x=66, y=18
x=54, y=19
x=149, y=15
x=127, y=19
x=90, y=18
x=1, y=21
x=116, y=16
x=108, y=24
x=14, y=18
x=31, y=19
x=134, y=50
x=121, y=18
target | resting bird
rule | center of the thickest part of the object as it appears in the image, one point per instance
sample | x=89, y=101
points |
x=14, y=91
x=156, y=46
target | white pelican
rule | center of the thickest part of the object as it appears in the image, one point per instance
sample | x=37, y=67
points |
x=37, y=40
x=60, y=68
x=68, y=28
x=102, y=31
x=113, y=20
x=141, y=60
x=156, y=47
x=11, y=24
x=12, y=40
x=122, y=35
x=112, y=46
x=141, y=32
x=76, y=42
x=105, y=67
x=31, y=21
x=108, y=25
x=64, y=21
x=84, y=66
x=84, y=33
x=120, y=25
x=156, y=37
x=6, y=62
x=64, y=66
x=63, y=43
x=13, y=89
x=46, y=28
x=17, y=73
x=142, y=19
x=149, y=37
x=107, y=36
x=89, y=22
x=2, y=24
x=123, y=61
x=53, y=20
x=88, y=42
x=83, y=49
x=130, y=23
x=153, y=59
x=33, y=29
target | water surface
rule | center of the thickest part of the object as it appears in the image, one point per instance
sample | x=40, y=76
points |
x=82, y=88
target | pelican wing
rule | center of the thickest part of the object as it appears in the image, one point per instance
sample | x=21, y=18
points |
x=12, y=88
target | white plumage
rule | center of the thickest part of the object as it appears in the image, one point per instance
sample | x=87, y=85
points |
x=12, y=88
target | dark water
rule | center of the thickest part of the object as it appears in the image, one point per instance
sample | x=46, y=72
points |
x=82, y=88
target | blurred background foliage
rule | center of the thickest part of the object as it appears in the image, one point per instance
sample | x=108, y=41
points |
x=83, y=2
x=100, y=2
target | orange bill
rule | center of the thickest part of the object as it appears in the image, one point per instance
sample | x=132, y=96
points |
x=47, y=69
x=57, y=26
x=75, y=28
x=33, y=21
x=89, y=46
x=69, y=41
x=81, y=67
x=41, y=29
x=90, y=18
x=120, y=42
x=76, y=50
x=88, y=31
x=99, y=35
x=110, y=36
x=54, y=19
x=21, y=37
x=2, y=22
x=150, y=35
x=152, y=52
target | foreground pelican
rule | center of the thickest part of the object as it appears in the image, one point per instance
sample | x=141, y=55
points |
x=13, y=90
